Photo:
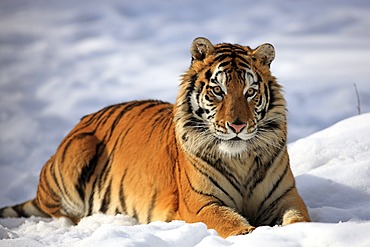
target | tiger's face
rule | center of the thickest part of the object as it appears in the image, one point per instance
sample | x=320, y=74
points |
x=229, y=92
x=230, y=106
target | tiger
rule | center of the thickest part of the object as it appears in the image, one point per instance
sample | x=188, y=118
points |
x=218, y=155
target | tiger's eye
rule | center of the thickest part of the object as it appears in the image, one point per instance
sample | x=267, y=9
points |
x=251, y=92
x=217, y=90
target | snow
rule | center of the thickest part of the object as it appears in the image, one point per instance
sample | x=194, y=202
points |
x=60, y=60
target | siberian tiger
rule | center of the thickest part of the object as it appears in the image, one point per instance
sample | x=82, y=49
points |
x=218, y=155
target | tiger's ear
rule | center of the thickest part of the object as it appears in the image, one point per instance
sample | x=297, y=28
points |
x=265, y=52
x=201, y=48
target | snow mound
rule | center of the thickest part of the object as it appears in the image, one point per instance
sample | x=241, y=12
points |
x=332, y=168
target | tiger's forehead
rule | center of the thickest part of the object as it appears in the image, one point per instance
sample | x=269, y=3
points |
x=226, y=47
x=232, y=51
x=233, y=63
x=232, y=57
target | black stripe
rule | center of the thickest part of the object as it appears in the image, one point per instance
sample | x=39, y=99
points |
x=272, y=125
x=45, y=177
x=272, y=95
x=49, y=191
x=207, y=205
x=243, y=62
x=19, y=210
x=126, y=109
x=167, y=128
x=269, y=211
x=56, y=206
x=103, y=175
x=257, y=175
x=208, y=74
x=151, y=105
x=267, y=98
x=215, y=183
x=52, y=170
x=106, y=199
x=106, y=168
x=91, y=197
x=161, y=116
x=221, y=57
x=105, y=117
x=62, y=186
x=189, y=90
x=194, y=122
x=224, y=64
x=221, y=168
x=275, y=186
x=88, y=170
x=99, y=116
x=201, y=192
x=122, y=197
x=260, y=170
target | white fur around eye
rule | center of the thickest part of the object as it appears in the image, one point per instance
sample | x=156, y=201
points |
x=219, y=79
x=250, y=77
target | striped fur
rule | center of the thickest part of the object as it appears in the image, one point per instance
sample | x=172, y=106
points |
x=219, y=155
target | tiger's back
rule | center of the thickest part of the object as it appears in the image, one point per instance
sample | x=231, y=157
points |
x=218, y=155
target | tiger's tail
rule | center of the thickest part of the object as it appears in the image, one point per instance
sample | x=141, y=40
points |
x=26, y=209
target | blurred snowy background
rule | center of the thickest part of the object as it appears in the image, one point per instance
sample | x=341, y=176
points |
x=60, y=60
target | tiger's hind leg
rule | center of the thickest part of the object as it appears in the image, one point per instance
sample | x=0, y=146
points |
x=65, y=185
x=49, y=194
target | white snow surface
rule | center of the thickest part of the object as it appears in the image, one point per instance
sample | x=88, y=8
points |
x=60, y=60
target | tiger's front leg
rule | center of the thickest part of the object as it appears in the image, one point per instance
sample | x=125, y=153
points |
x=198, y=202
x=224, y=220
x=295, y=209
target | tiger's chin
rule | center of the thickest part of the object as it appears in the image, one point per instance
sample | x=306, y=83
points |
x=233, y=147
x=236, y=145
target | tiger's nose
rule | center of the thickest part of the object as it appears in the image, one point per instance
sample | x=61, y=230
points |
x=237, y=127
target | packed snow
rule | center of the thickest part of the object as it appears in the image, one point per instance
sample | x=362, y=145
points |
x=60, y=60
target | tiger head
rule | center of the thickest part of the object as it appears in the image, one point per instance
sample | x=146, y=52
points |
x=228, y=101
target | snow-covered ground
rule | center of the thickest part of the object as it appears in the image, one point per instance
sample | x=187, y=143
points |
x=60, y=60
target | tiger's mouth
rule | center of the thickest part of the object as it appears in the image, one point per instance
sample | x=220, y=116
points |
x=241, y=137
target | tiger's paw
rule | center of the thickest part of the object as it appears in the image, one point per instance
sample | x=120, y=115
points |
x=294, y=216
x=245, y=231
